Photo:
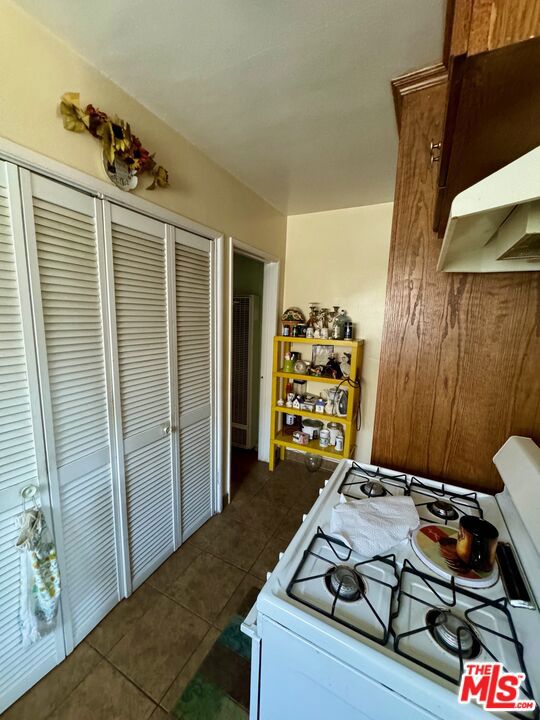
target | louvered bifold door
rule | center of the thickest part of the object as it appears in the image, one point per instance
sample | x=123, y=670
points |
x=139, y=262
x=22, y=455
x=195, y=357
x=64, y=232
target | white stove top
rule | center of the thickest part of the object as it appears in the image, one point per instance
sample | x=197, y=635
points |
x=299, y=597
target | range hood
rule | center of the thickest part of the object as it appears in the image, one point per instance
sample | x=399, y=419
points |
x=494, y=226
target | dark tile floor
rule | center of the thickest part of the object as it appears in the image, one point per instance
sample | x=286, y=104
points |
x=138, y=660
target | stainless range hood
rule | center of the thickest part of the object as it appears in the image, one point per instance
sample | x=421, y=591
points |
x=494, y=226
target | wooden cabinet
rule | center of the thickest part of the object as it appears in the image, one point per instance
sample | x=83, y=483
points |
x=493, y=96
x=459, y=357
x=474, y=26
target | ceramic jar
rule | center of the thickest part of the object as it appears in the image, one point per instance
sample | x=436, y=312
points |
x=324, y=438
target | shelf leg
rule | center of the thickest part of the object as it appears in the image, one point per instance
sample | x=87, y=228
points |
x=272, y=460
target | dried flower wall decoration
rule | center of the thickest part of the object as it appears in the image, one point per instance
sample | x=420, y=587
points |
x=124, y=157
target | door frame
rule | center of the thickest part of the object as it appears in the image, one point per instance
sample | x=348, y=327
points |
x=269, y=319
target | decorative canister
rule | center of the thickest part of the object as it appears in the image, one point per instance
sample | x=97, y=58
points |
x=288, y=363
x=324, y=438
x=339, y=442
x=310, y=333
x=335, y=429
x=312, y=427
x=324, y=333
x=319, y=405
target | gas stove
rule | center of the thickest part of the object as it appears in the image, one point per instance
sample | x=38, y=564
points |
x=391, y=618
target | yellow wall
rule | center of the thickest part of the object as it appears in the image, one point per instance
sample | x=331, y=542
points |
x=37, y=69
x=341, y=258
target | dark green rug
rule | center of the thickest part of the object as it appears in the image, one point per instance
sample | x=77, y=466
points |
x=219, y=690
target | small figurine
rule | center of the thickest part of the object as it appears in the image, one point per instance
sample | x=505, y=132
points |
x=314, y=314
x=332, y=369
x=331, y=317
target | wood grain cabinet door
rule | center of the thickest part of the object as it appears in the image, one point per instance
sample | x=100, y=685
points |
x=459, y=358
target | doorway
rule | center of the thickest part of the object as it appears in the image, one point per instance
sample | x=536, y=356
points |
x=247, y=290
x=254, y=287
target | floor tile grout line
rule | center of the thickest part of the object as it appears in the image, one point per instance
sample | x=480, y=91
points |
x=225, y=560
x=57, y=707
x=132, y=681
x=185, y=607
x=184, y=666
x=211, y=625
x=157, y=703
x=102, y=657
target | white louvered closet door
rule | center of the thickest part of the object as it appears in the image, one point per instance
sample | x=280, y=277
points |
x=64, y=234
x=139, y=262
x=22, y=455
x=195, y=353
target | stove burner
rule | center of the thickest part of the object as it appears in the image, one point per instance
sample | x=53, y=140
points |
x=373, y=489
x=345, y=583
x=453, y=634
x=443, y=510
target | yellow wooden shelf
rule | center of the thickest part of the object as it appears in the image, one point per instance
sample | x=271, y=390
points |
x=315, y=416
x=280, y=440
x=316, y=378
x=285, y=441
x=318, y=341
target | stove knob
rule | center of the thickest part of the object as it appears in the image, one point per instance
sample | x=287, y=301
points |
x=280, y=555
x=268, y=575
x=320, y=491
x=325, y=483
x=304, y=517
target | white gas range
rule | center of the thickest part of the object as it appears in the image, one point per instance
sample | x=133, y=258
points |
x=335, y=634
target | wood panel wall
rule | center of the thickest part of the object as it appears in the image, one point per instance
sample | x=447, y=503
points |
x=460, y=357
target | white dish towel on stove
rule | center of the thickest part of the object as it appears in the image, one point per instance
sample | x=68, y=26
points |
x=374, y=525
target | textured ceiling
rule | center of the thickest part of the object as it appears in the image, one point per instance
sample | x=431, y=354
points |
x=291, y=96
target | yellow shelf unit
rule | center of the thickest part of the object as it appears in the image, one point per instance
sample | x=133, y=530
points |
x=281, y=440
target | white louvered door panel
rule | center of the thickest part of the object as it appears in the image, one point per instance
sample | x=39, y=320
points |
x=139, y=261
x=22, y=456
x=64, y=229
x=195, y=353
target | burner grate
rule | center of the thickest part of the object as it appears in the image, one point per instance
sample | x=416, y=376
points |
x=465, y=636
x=360, y=483
x=443, y=505
x=347, y=584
